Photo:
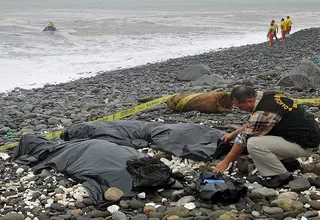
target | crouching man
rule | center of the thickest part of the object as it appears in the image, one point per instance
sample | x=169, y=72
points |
x=278, y=128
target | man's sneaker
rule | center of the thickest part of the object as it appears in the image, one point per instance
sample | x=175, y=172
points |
x=275, y=181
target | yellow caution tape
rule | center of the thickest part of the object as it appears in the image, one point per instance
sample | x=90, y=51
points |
x=53, y=134
x=8, y=146
x=310, y=101
x=185, y=100
x=116, y=116
x=133, y=110
x=139, y=108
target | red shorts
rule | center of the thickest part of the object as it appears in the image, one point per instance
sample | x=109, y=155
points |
x=289, y=28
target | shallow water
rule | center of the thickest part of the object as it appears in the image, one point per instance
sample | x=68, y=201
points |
x=99, y=35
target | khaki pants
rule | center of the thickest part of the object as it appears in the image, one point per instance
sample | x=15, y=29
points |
x=267, y=151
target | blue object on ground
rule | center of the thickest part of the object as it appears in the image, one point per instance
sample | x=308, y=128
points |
x=318, y=60
x=212, y=181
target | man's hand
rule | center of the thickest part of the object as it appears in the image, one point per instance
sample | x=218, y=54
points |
x=221, y=167
x=231, y=136
x=228, y=137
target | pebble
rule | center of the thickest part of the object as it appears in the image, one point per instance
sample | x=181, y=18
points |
x=113, y=194
x=255, y=214
x=184, y=200
x=288, y=195
x=118, y=216
x=264, y=192
x=113, y=208
x=299, y=184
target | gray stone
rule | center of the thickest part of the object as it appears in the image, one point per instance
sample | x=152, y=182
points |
x=24, y=131
x=308, y=69
x=162, y=208
x=140, y=217
x=311, y=214
x=265, y=192
x=177, y=185
x=305, y=75
x=295, y=80
x=207, y=205
x=299, y=184
x=177, y=194
x=210, y=80
x=206, y=211
x=315, y=204
x=124, y=204
x=303, y=199
x=57, y=206
x=79, y=205
x=57, y=218
x=87, y=201
x=255, y=214
x=65, y=217
x=66, y=122
x=98, y=214
x=195, y=213
x=118, y=216
x=45, y=173
x=158, y=215
x=289, y=218
x=288, y=195
x=12, y=216
x=193, y=72
x=185, y=199
x=4, y=130
x=36, y=195
x=268, y=75
x=272, y=210
x=135, y=204
x=216, y=214
x=314, y=196
x=252, y=186
x=53, y=121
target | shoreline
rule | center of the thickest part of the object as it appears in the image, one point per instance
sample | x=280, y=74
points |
x=111, y=91
x=89, y=73
x=52, y=195
x=159, y=62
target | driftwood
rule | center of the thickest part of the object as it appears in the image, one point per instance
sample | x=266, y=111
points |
x=211, y=102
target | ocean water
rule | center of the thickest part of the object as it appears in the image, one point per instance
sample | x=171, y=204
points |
x=101, y=35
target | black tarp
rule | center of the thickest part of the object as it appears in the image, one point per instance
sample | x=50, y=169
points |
x=187, y=140
x=99, y=159
x=97, y=164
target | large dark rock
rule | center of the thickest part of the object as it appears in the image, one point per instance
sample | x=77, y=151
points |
x=296, y=80
x=194, y=72
x=305, y=75
x=206, y=79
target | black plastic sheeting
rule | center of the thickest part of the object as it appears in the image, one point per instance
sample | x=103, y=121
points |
x=192, y=141
x=98, y=155
x=226, y=190
x=97, y=164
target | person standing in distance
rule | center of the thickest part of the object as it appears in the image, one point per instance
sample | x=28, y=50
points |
x=289, y=24
x=283, y=28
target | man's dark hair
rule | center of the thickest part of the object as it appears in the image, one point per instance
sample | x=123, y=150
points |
x=242, y=93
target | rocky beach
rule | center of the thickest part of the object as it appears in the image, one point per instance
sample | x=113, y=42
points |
x=288, y=66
